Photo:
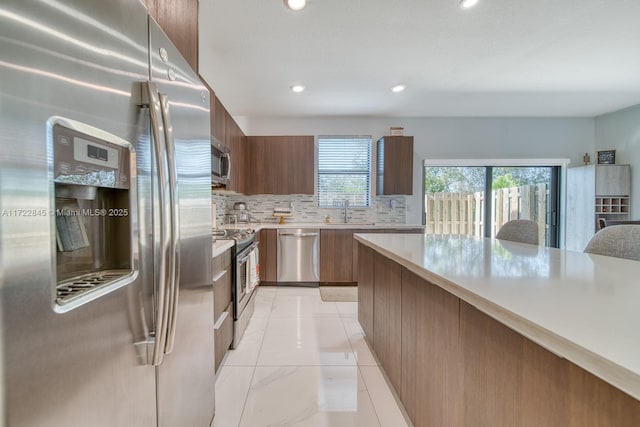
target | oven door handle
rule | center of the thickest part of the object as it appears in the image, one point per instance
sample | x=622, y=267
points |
x=244, y=255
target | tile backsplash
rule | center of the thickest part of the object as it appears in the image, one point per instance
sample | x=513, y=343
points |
x=383, y=209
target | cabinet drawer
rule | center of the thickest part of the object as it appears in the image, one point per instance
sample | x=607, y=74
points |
x=221, y=292
x=223, y=335
x=222, y=261
x=221, y=283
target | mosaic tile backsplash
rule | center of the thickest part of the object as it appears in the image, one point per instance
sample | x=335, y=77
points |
x=304, y=207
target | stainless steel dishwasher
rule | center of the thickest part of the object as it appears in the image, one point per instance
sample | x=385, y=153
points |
x=298, y=256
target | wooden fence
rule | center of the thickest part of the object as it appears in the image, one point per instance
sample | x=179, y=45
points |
x=463, y=213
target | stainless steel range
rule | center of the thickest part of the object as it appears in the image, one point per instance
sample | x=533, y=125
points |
x=245, y=277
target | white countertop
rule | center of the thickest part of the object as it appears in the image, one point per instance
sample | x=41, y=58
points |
x=219, y=246
x=583, y=307
x=322, y=225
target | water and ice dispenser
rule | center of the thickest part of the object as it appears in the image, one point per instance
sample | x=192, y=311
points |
x=93, y=213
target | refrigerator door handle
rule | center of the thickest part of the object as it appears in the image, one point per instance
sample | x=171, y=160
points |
x=161, y=306
x=174, y=248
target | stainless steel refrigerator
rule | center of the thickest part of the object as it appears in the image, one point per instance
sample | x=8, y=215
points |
x=106, y=303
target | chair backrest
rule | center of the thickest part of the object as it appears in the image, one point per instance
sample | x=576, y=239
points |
x=519, y=230
x=620, y=241
x=608, y=222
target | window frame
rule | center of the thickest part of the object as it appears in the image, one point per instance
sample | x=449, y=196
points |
x=369, y=172
x=557, y=187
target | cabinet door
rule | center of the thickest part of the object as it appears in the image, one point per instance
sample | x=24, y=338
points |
x=613, y=180
x=218, y=123
x=268, y=255
x=431, y=380
x=263, y=165
x=395, y=165
x=223, y=336
x=366, y=289
x=336, y=256
x=221, y=283
x=280, y=165
x=298, y=164
x=492, y=356
x=387, y=317
x=179, y=20
x=236, y=142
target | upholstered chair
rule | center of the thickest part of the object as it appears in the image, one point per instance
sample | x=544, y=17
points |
x=620, y=241
x=519, y=230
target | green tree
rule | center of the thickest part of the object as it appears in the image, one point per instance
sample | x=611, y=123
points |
x=504, y=181
x=453, y=179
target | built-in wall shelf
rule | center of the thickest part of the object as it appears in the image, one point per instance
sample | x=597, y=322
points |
x=612, y=205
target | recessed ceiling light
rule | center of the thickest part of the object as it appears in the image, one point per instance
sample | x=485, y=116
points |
x=297, y=88
x=466, y=4
x=295, y=4
x=398, y=88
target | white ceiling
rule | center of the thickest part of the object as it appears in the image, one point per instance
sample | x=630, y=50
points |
x=504, y=58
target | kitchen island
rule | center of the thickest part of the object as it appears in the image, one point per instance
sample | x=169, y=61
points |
x=482, y=332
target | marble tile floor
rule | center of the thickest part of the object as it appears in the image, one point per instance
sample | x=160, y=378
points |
x=303, y=362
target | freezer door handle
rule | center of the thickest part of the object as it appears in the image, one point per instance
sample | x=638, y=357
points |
x=174, y=248
x=160, y=275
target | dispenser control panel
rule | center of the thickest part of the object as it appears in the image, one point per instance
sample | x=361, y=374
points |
x=85, y=159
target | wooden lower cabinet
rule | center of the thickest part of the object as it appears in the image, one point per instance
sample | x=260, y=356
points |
x=454, y=366
x=268, y=255
x=492, y=370
x=511, y=381
x=221, y=283
x=387, y=317
x=354, y=257
x=336, y=256
x=430, y=349
x=365, y=290
x=222, y=306
x=223, y=336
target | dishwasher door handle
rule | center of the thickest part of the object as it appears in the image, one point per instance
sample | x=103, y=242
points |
x=300, y=234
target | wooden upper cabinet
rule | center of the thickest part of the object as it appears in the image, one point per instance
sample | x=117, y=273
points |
x=279, y=165
x=179, y=20
x=613, y=180
x=236, y=142
x=395, y=165
x=218, y=120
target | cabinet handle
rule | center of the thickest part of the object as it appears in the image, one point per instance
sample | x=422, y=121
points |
x=220, y=320
x=219, y=275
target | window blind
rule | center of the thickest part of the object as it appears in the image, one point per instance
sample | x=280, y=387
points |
x=344, y=171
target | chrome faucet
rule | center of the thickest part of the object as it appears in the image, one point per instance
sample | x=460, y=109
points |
x=346, y=211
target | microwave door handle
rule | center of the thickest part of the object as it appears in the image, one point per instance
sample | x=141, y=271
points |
x=174, y=248
x=228, y=156
x=160, y=277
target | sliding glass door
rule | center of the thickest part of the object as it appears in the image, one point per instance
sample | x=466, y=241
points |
x=459, y=199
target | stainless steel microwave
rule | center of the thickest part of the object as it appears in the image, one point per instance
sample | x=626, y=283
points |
x=220, y=164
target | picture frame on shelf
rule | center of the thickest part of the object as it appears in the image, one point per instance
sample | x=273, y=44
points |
x=607, y=157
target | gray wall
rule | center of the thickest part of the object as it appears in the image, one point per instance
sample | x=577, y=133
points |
x=450, y=138
x=620, y=131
